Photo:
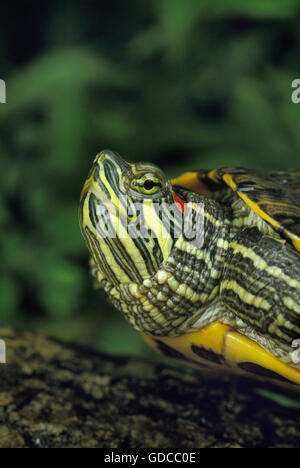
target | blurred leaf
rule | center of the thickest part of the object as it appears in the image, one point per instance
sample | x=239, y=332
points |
x=61, y=289
x=118, y=339
x=62, y=229
x=9, y=300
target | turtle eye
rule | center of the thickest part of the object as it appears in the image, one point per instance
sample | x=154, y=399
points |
x=148, y=184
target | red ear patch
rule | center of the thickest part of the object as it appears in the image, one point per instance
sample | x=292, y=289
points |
x=179, y=202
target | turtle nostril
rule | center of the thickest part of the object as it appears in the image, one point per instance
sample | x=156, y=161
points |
x=107, y=155
x=102, y=156
x=99, y=157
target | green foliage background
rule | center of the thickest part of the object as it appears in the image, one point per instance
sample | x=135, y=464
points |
x=185, y=84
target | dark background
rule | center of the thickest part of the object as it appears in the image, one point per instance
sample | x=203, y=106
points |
x=185, y=84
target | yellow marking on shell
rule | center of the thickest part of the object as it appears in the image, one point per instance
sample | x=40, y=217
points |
x=271, y=202
x=190, y=181
x=213, y=175
x=255, y=207
x=241, y=349
x=211, y=338
x=246, y=296
x=233, y=346
x=295, y=240
x=252, y=219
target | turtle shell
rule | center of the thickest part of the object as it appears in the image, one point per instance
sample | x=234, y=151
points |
x=273, y=195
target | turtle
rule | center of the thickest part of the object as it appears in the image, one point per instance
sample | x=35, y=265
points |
x=206, y=266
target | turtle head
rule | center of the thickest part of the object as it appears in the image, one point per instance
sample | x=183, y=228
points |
x=122, y=221
x=143, y=236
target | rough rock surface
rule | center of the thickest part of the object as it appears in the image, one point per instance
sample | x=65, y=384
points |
x=56, y=394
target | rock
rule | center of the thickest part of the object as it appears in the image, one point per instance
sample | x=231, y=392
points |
x=57, y=394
